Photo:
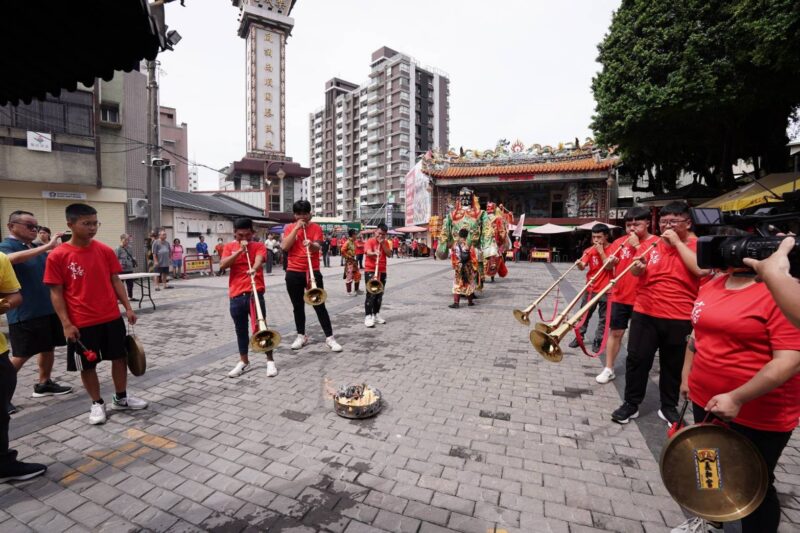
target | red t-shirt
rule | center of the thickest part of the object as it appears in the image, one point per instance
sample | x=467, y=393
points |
x=369, y=260
x=592, y=258
x=736, y=332
x=517, y=245
x=360, y=247
x=667, y=289
x=298, y=261
x=238, y=280
x=396, y=243
x=625, y=289
x=334, y=241
x=85, y=275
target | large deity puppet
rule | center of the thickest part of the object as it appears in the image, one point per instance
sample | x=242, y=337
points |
x=498, y=219
x=468, y=214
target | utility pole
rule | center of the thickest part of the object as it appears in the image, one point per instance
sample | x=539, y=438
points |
x=153, y=148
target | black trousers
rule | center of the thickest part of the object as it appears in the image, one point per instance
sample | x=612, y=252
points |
x=240, y=313
x=360, y=259
x=296, y=287
x=372, y=304
x=649, y=334
x=767, y=516
x=270, y=260
x=601, y=316
x=128, y=283
x=8, y=382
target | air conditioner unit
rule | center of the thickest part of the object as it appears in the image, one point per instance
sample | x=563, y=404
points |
x=138, y=208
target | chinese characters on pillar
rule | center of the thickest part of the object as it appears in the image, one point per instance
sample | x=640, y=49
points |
x=264, y=91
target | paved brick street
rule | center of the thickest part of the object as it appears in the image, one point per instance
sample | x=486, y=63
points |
x=478, y=432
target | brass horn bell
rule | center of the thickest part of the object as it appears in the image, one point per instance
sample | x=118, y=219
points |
x=315, y=296
x=265, y=340
x=374, y=286
x=522, y=317
x=547, y=344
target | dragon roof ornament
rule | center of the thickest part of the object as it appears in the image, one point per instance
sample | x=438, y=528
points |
x=507, y=153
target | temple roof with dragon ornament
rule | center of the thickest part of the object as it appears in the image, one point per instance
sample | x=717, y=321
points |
x=515, y=158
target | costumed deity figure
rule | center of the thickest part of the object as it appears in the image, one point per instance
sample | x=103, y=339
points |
x=497, y=230
x=464, y=259
x=351, y=271
x=468, y=215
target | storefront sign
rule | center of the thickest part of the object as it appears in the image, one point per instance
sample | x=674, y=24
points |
x=40, y=142
x=63, y=195
x=196, y=263
x=418, y=196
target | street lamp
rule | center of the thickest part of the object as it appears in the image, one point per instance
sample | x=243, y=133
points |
x=268, y=183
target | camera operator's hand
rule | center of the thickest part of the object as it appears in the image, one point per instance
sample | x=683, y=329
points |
x=670, y=237
x=724, y=406
x=775, y=265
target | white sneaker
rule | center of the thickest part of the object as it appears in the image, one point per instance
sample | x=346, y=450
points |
x=352, y=293
x=129, y=402
x=369, y=321
x=272, y=370
x=239, y=369
x=379, y=320
x=333, y=345
x=98, y=414
x=696, y=525
x=300, y=341
x=605, y=376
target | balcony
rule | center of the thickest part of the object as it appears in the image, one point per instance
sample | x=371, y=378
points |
x=375, y=135
x=374, y=110
x=373, y=123
x=374, y=149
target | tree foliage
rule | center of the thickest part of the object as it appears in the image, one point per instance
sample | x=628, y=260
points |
x=697, y=85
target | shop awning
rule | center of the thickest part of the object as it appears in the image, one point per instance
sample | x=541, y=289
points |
x=412, y=229
x=548, y=229
x=757, y=193
x=589, y=225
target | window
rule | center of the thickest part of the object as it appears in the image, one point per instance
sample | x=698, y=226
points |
x=70, y=113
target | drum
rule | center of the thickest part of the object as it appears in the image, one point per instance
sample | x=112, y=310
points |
x=714, y=472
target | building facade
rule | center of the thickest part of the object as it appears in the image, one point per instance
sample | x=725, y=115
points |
x=365, y=138
x=80, y=147
x=175, y=142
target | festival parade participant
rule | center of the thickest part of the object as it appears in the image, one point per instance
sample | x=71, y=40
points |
x=468, y=215
x=377, y=249
x=634, y=243
x=465, y=266
x=352, y=274
x=497, y=229
x=660, y=320
x=742, y=364
x=85, y=288
x=33, y=327
x=301, y=238
x=595, y=257
x=240, y=290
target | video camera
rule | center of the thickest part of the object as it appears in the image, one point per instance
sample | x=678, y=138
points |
x=723, y=251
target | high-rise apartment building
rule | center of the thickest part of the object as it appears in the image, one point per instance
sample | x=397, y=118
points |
x=367, y=137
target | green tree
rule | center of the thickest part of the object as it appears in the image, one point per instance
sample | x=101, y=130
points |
x=697, y=85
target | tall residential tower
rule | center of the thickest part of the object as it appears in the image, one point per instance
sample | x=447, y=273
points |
x=366, y=138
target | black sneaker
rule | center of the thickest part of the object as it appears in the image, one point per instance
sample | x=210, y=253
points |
x=11, y=408
x=453, y=306
x=668, y=415
x=50, y=388
x=625, y=413
x=596, y=346
x=574, y=343
x=19, y=471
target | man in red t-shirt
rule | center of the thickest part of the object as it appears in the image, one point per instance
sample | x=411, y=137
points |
x=360, y=252
x=517, y=247
x=395, y=247
x=594, y=257
x=634, y=243
x=85, y=290
x=660, y=322
x=240, y=290
x=301, y=239
x=377, y=250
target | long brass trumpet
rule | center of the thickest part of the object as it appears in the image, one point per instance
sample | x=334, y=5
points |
x=265, y=339
x=550, y=326
x=314, y=295
x=375, y=286
x=523, y=316
x=547, y=342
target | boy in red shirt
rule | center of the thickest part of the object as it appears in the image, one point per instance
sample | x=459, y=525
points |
x=595, y=257
x=660, y=322
x=377, y=250
x=240, y=290
x=634, y=243
x=85, y=291
x=300, y=239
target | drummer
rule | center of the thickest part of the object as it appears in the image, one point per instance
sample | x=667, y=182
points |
x=742, y=365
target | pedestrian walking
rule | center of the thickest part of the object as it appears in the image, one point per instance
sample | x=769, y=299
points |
x=326, y=248
x=126, y=261
x=162, y=256
x=85, y=290
x=269, y=246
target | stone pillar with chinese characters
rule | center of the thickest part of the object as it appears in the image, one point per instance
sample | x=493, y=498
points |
x=265, y=25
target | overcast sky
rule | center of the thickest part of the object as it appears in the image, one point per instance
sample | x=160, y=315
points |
x=518, y=68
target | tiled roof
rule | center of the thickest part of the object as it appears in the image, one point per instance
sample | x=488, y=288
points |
x=588, y=164
x=217, y=203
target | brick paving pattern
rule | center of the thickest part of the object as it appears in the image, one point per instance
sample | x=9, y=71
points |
x=478, y=433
